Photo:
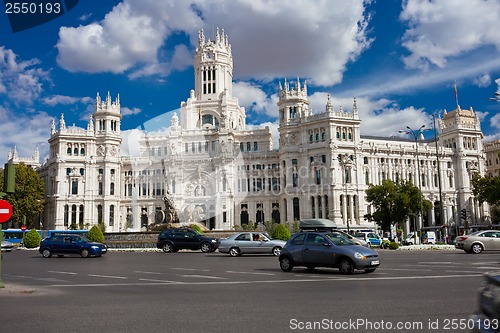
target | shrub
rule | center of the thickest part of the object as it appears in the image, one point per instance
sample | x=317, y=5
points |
x=281, y=232
x=32, y=239
x=95, y=234
x=393, y=246
x=270, y=226
x=197, y=228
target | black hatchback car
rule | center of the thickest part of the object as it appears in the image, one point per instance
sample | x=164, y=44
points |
x=175, y=239
x=61, y=245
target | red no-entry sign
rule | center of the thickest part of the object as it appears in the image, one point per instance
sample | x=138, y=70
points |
x=5, y=211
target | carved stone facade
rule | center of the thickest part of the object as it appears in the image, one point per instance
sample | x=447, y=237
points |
x=219, y=172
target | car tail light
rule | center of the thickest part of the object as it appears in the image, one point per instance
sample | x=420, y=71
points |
x=461, y=239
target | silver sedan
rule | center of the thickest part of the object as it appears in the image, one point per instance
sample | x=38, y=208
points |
x=250, y=242
x=479, y=241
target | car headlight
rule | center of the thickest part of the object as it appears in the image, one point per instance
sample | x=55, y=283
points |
x=95, y=247
x=358, y=255
x=214, y=240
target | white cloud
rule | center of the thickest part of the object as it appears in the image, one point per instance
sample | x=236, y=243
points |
x=263, y=34
x=482, y=81
x=54, y=100
x=253, y=98
x=443, y=29
x=125, y=111
x=495, y=121
x=131, y=34
x=20, y=80
x=381, y=117
x=24, y=131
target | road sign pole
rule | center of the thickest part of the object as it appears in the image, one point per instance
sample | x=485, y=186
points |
x=1, y=258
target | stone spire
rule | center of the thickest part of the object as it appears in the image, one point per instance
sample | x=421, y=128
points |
x=62, y=123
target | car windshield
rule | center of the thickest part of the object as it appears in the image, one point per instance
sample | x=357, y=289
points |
x=339, y=239
x=267, y=236
x=82, y=239
x=198, y=233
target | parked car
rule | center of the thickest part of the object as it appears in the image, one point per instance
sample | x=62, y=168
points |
x=7, y=246
x=250, y=243
x=175, y=239
x=487, y=319
x=61, y=244
x=370, y=237
x=353, y=239
x=327, y=249
x=479, y=241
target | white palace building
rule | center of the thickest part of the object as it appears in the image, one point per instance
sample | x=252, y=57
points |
x=218, y=172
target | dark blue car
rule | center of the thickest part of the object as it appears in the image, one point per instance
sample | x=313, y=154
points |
x=61, y=245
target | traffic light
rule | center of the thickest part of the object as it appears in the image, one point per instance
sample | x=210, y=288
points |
x=463, y=213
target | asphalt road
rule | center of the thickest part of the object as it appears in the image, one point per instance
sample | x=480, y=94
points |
x=412, y=291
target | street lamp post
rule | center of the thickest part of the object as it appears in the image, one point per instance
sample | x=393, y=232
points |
x=415, y=134
x=439, y=173
x=345, y=160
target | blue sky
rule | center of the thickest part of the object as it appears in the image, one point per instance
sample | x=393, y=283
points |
x=400, y=60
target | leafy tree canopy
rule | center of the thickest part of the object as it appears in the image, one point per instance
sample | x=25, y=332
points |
x=394, y=202
x=29, y=193
x=486, y=189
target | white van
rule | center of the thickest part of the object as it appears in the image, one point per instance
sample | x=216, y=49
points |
x=429, y=237
x=410, y=239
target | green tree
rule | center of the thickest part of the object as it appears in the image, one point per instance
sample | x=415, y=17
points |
x=28, y=197
x=281, y=232
x=32, y=239
x=486, y=189
x=95, y=234
x=394, y=202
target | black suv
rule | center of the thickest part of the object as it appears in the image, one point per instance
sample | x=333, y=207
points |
x=173, y=240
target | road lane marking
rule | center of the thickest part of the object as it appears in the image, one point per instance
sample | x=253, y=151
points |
x=406, y=269
x=108, y=276
x=59, y=272
x=143, y=272
x=255, y=273
x=385, y=278
x=163, y=281
x=436, y=263
x=190, y=269
x=489, y=268
x=204, y=276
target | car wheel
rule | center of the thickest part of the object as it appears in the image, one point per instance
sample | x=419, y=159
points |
x=476, y=248
x=277, y=251
x=286, y=264
x=205, y=247
x=84, y=253
x=370, y=270
x=346, y=266
x=46, y=253
x=167, y=247
x=234, y=252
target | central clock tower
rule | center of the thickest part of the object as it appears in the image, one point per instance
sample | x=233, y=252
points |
x=213, y=66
